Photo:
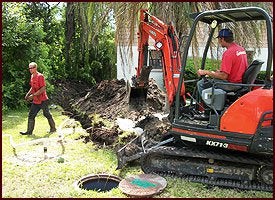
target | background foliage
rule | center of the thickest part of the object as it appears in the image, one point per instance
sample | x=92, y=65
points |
x=78, y=40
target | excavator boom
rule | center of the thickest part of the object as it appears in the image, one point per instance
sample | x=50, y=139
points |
x=166, y=41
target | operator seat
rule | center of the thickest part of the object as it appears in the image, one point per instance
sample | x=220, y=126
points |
x=249, y=76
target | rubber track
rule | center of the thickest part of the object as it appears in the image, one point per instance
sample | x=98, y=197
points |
x=201, y=153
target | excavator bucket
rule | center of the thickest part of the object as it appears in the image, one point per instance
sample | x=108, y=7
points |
x=137, y=95
x=137, y=90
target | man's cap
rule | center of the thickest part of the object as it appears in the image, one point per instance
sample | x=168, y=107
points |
x=225, y=33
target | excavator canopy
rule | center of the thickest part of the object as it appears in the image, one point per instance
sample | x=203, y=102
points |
x=235, y=15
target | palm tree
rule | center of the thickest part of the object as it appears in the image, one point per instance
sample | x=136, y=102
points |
x=84, y=22
x=178, y=13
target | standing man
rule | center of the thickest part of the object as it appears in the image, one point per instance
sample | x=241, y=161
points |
x=37, y=94
x=233, y=65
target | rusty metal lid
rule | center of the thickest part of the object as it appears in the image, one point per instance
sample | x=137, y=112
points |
x=142, y=185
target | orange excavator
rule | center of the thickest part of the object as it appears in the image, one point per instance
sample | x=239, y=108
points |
x=233, y=146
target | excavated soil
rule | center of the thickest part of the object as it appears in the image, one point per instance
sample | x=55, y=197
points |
x=110, y=100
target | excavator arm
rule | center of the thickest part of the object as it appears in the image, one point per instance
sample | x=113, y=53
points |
x=166, y=41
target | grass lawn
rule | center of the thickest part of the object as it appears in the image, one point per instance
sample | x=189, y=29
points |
x=28, y=174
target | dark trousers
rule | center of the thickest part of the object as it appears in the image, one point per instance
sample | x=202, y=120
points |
x=35, y=108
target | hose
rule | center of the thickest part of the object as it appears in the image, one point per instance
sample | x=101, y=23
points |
x=44, y=141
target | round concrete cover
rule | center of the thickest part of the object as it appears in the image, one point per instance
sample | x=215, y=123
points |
x=143, y=185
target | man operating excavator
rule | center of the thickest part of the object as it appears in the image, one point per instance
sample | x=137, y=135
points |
x=233, y=64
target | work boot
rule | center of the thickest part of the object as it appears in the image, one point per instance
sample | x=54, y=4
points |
x=30, y=128
x=52, y=125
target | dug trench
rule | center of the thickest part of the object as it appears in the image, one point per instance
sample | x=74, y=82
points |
x=108, y=101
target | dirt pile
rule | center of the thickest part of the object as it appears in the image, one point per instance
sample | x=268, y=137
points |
x=109, y=99
x=67, y=91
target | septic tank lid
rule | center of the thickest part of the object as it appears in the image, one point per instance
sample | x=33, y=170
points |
x=142, y=185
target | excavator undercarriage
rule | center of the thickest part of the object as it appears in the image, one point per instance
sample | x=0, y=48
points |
x=212, y=166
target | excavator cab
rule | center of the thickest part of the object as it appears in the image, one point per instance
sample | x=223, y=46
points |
x=219, y=101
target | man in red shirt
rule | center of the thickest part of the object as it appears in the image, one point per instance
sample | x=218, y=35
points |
x=233, y=65
x=37, y=94
x=234, y=60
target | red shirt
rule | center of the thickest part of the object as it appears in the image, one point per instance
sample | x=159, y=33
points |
x=38, y=81
x=234, y=63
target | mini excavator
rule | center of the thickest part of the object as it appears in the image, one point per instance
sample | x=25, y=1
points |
x=233, y=147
